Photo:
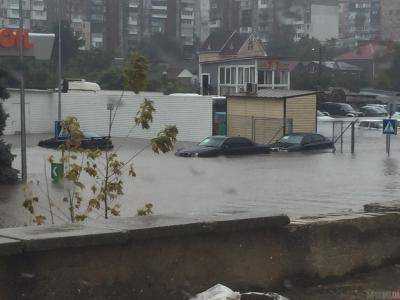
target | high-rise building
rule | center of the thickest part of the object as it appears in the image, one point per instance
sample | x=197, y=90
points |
x=133, y=25
x=224, y=15
x=359, y=19
x=390, y=20
x=34, y=13
x=186, y=25
x=202, y=20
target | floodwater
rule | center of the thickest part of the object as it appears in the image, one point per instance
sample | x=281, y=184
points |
x=296, y=184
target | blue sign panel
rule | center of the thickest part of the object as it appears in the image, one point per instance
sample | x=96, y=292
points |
x=390, y=126
x=57, y=129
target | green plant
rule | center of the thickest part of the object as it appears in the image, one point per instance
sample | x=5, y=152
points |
x=7, y=173
x=135, y=73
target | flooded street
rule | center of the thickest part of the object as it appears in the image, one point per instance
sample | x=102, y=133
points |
x=296, y=184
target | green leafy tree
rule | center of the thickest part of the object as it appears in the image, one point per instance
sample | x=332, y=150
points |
x=135, y=73
x=111, y=79
x=7, y=173
x=390, y=78
x=70, y=44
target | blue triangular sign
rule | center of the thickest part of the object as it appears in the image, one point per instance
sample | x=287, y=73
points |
x=389, y=128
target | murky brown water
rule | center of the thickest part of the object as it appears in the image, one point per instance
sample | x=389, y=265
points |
x=295, y=184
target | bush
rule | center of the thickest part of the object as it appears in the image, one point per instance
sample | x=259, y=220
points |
x=7, y=173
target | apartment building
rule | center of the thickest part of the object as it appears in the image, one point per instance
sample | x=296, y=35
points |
x=224, y=15
x=34, y=13
x=202, y=20
x=390, y=20
x=360, y=19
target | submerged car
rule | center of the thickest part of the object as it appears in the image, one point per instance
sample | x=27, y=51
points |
x=324, y=117
x=90, y=141
x=338, y=109
x=373, y=111
x=303, y=142
x=222, y=145
x=371, y=124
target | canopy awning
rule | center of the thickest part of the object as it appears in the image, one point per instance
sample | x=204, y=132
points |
x=41, y=46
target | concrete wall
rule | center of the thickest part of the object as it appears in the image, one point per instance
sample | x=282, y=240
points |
x=161, y=257
x=191, y=114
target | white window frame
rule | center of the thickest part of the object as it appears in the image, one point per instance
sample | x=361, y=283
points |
x=235, y=76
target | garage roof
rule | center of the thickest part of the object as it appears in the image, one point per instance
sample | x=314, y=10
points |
x=276, y=94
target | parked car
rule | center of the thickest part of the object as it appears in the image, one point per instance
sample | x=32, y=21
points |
x=303, y=142
x=373, y=111
x=90, y=141
x=338, y=109
x=371, y=124
x=221, y=145
x=323, y=117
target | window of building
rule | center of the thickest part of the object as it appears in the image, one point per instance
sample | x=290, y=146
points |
x=252, y=75
x=261, y=77
x=264, y=77
x=222, y=75
x=281, y=77
x=246, y=75
x=240, y=75
x=233, y=75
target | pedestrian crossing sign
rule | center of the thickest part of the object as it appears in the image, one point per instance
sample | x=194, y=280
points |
x=390, y=126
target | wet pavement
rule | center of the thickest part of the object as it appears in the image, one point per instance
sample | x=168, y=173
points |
x=296, y=184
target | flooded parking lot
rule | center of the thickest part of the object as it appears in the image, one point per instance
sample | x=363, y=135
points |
x=296, y=184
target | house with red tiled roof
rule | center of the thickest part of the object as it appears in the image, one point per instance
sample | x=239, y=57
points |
x=370, y=57
x=230, y=61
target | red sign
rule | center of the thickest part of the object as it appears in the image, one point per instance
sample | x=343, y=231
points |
x=273, y=65
x=11, y=38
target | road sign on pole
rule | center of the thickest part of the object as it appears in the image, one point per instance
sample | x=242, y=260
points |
x=390, y=126
x=57, y=172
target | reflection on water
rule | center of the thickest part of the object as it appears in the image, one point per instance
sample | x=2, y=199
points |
x=292, y=183
x=391, y=167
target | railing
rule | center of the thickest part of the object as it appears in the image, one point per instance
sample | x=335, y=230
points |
x=350, y=127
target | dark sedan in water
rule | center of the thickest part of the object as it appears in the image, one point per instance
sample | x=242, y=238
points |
x=303, y=142
x=221, y=145
x=90, y=141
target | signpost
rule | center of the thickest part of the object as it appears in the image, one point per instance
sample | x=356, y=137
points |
x=21, y=43
x=57, y=172
x=389, y=128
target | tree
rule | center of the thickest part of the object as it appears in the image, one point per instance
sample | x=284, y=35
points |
x=70, y=44
x=135, y=73
x=7, y=173
x=281, y=42
x=111, y=79
x=94, y=179
x=390, y=79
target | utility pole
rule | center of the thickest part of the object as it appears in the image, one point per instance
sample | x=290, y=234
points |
x=319, y=63
x=24, y=172
x=59, y=61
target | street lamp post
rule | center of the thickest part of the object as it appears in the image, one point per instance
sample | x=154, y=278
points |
x=319, y=65
x=24, y=172
x=59, y=61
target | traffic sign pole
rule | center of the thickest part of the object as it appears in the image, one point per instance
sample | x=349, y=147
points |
x=388, y=144
x=389, y=128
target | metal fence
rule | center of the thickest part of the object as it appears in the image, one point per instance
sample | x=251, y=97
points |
x=340, y=131
x=260, y=130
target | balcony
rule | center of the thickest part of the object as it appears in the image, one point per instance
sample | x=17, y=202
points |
x=157, y=7
x=132, y=21
x=159, y=16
